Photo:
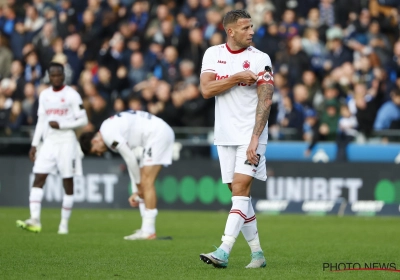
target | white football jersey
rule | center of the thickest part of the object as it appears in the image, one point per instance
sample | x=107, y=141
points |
x=131, y=127
x=235, y=109
x=63, y=106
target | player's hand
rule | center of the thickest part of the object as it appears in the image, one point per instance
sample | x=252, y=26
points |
x=251, y=152
x=32, y=153
x=247, y=77
x=134, y=200
x=54, y=125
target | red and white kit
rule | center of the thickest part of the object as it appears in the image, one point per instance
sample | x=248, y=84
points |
x=235, y=109
x=60, y=150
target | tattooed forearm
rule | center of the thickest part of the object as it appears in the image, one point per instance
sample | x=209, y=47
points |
x=264, y=93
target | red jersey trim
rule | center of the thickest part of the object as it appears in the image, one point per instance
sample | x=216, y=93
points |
x=60, y=89
x=234, y=52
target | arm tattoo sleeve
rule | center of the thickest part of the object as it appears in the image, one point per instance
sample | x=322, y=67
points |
x=263, y=109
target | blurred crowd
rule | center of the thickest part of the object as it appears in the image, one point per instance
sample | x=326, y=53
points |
x=336, y=63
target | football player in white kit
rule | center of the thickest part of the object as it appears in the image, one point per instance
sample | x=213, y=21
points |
x=60, y=112
x=122, y=133
x=239, y=76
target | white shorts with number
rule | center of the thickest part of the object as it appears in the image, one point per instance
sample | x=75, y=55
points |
x=62, y=157
x=159, y=148
x=233, y=159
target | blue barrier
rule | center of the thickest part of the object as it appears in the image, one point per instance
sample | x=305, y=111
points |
x=373, y=152
x=295, y=151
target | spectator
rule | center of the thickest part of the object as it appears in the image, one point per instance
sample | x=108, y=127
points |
x=5, y=58
x=289, y=27
x=315, y=50
x=98, y=111
x=379, y=43
x=293, y=118
x=214, y=23
x=388, y=116
x=17, y=71
x=269, y=40
x=329, y=121
x=15, y=120
x=29, y=102
x=186, y=68
x=43, y=46
x=74, y=50
x=9, y=20
x=164, y=108
x=327, y=12
x=33, y=70
x=257, y=9
x=338, y=53
x=4, y=114
x=119, y=106
x=347, y=131
x=366, y=107
x=137, y=70
x=18, y=40
x=168, y=68
x=90, y=33
x=33, y=22
x=105, y=86
x=139, y=15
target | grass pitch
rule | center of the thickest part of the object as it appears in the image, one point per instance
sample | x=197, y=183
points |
x=295, y=246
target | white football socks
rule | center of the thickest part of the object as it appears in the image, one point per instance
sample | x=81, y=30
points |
x=149, y=221
x=235, y=221
x=67, y=204
x=250, y=231
x=35, y=202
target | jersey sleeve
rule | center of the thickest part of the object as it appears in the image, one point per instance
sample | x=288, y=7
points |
x=40, y=125
x=79, y=113
x=209, y=61
x=111, y=135
x=264, y=76
x=263, y=62
x=41, y=109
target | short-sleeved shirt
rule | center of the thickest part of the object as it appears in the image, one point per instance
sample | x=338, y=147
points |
x=134, y=128
x=235, y=109
x=62, y=106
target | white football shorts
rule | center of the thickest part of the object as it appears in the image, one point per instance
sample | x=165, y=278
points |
x=159, y=148
x=62, y=157
x=233, y=159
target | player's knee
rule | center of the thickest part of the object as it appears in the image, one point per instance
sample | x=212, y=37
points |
x=39, y=181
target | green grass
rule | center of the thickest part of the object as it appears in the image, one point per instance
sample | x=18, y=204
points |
x=295, y=246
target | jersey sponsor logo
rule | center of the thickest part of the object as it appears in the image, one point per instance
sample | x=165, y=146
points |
x=221, y=77
x=246, y=65
x=60, y=112
x=218, y=77
x=221, y=61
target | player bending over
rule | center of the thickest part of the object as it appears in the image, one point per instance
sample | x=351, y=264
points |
x=240, y=78
x=122, y=133
x=60, y=112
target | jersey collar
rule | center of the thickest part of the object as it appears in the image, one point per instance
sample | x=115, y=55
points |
x=234, y=52
x=60, y=89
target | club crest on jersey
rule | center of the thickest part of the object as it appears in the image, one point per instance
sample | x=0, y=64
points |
x=62, y=100
x=246, y=65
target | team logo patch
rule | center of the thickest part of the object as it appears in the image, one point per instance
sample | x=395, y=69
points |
x=62, y=99
x=246, y=65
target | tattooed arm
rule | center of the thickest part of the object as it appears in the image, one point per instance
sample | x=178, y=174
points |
x=264, y=92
